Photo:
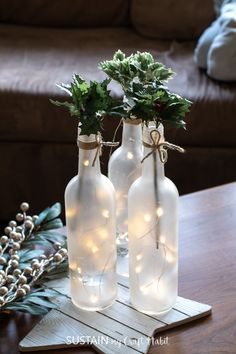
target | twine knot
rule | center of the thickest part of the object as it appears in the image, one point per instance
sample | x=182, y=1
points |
x=97, y=144
x=162, y=148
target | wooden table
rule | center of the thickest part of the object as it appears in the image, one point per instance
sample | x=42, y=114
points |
x=207, y=274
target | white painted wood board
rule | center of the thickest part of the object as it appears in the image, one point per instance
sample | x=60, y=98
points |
x=118, y=329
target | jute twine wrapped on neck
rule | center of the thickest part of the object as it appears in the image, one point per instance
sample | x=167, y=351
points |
x=97, y=144
x=158, y=143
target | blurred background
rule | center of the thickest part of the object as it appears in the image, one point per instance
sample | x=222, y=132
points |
x=43, y=42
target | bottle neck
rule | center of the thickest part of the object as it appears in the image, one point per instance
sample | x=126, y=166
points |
x=152, y=165
x=89, y=162
x=132, y=134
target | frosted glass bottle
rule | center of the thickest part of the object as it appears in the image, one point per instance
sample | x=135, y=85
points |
x=153, y=235
x=123, y=169
x=90, y=220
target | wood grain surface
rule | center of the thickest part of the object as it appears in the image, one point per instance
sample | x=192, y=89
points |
x=207, y=273
x=118, y=329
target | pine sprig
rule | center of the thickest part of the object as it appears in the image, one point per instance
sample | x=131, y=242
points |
x=91, y=102
x=24, y=266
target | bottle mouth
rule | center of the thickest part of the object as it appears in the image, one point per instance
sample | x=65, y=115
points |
x=134, y=121
x=151, y=132
x=86, y=138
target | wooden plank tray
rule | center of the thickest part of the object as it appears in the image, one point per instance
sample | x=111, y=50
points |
x=118, y=329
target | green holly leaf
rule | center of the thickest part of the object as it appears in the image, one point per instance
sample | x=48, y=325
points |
x=91, y=102
x=142, y=79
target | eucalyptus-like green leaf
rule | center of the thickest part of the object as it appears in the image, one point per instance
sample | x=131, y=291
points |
x=51, y=236
x=30, y=308
x=44, y=292
x=59, y=275
x=52, y=224
x=37, y=301
x=37, y=242
x=22, y=252
x=42, y=217
x=42, y=302
x=59, y=272
x=30, y=254
x=53, y=212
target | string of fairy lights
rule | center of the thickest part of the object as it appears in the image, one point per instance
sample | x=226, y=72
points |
x=86, y=279
x=168, y=254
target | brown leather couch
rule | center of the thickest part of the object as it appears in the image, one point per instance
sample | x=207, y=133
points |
x=44, y=42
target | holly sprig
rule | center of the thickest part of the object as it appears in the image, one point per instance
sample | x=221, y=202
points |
x=151, y=103
x=145, y=94
x=138, y=67
x=31, y=252
x=90, y=103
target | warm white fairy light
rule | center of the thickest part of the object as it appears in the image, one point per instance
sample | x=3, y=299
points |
x=89, y=243
x=155, y=287
x=103, y=234
x=73, y=265
x=86, y=163
x=159, y=211
x=147, y=217
x=94, y=249
x=162, y=239
x=93, y=299
x=130, y=155
x=92, y=246
x=70, y=212
x=138, y=269
x=100, y=193
x=105, y=213
x=139, y=257
x=144, y=289
x=169, y=257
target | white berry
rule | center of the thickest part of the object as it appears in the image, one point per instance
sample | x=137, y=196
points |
x=24, y=206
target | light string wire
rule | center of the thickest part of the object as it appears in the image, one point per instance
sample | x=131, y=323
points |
x=148, y=233
x=83, y=276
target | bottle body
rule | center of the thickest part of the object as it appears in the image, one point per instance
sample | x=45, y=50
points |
x=153, y=238
x=123, y=169
x=90, y=219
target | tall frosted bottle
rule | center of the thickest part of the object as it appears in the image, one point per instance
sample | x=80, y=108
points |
x=153, y=232
x=123, y=169
x=90, y=220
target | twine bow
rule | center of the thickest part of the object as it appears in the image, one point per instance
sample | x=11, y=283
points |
x=98, y=144
x=162, y=148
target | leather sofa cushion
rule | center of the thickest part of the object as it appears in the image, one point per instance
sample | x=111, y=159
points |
x=33, y=60
x=39, y=172
x=171, y=19
x=62, y=13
